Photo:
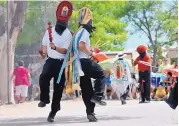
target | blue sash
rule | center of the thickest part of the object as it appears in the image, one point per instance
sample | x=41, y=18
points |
x=75, y=43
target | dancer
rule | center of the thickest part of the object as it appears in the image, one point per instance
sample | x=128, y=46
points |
x=84, y=68
x=144, y=72
x=55, y=45
x=90, y=68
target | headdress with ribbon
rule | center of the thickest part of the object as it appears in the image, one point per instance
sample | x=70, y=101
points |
x=64, y=11
x=84, y=14
x=85, y=19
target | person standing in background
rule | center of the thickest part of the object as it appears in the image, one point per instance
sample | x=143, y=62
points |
x=158, y=64
x=165, y=65
x=22, y=81
x=108, y=86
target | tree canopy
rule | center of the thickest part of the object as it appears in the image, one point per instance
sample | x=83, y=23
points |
x=35, y=26
x=157, y=21
x=110, y=32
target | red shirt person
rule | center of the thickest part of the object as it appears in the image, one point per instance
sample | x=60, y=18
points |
x=143, y=62
x=21, y=82
x=143, y=66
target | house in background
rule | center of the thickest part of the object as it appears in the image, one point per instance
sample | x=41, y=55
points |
x=172, y=53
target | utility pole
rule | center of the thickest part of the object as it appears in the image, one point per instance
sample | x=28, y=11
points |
x=8, y=69
x=45, y=14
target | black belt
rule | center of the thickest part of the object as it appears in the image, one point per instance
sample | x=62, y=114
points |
x=144, y=71
x=55, y=59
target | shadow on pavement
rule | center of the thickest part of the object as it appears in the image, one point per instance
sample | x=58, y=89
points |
x=58, y=120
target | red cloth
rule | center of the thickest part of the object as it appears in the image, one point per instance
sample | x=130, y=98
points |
x=142, y=67
x=21, y=76
x=59, y=11
x=141, y=48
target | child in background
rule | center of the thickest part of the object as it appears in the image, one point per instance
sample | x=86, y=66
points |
x=108, y=86
x=160, y=93
x=21, y=80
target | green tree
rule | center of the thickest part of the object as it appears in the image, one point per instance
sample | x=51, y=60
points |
x=16, y=10
x=157, y=22
x=35, y=24
x=110, y=32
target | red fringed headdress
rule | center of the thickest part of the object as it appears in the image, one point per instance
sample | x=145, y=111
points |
x=141, y=49
x=64, y=11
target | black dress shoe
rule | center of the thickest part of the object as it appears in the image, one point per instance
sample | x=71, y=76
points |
x=51, y=117
x=42, y=104
x=92, y=118
x=97, y=100
x=123, y=101
x=141, y=102
x=147, y=101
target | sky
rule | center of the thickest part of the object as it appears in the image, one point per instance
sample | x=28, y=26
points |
x=135, y=40
x=139, y=38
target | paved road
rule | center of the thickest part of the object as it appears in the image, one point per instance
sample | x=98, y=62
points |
x=73, y=114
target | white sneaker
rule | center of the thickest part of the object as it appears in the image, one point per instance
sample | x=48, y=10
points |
x=110, y=97
x=106, y=97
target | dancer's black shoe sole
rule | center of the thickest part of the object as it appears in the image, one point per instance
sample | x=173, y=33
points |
x=42, y=104
x=123, y=101
x=141, y=102
x=92, y=118
x=51, y=117
x=100, y=102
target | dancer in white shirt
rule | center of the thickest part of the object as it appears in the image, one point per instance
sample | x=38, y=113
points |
x=55, y=44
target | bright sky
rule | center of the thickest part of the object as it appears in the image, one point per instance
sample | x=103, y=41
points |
x=135, y=40
x=139, y=38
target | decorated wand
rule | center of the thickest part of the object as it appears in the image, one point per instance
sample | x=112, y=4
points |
x=50, y=38
x=50, y=31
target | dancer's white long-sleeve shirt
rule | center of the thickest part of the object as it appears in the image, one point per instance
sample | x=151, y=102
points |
x=61, y=41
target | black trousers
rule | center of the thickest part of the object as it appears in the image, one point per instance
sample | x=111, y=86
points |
x=145, y=87
x=124, y=96
x=173, y=97
x=91, y=70
x=51, y=70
